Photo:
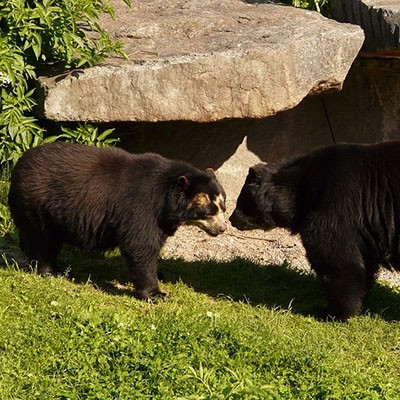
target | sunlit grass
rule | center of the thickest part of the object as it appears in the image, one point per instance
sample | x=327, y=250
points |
x=233, y=330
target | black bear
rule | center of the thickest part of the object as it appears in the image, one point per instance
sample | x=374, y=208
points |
x=101, y=198
x=344, y=201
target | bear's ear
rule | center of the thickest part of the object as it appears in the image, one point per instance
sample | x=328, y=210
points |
x=252, y=175
x=261, y=171
x=210, y=171
x=183, y=181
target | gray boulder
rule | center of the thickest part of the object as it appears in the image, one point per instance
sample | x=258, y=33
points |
x=205, y=61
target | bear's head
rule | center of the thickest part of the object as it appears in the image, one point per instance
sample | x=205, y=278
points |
x=258, y=202
x=205, y=202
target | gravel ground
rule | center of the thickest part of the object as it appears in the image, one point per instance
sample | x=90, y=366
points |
x=273, y=247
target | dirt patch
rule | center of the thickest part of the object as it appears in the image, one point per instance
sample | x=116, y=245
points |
x=273, y=247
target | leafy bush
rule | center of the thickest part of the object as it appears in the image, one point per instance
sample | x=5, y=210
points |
x=35, y=34
x=18, y=128
x=89, y=135
x=318, y=5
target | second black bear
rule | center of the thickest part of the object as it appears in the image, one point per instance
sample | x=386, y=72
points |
x=344, y=201
x=100, y=198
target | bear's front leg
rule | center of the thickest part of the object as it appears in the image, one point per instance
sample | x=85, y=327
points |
x=142, y=264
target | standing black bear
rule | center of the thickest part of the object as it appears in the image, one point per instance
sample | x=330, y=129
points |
x=103, y=198
x=344, y=201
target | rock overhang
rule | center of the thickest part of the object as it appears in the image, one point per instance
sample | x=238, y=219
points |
x=205, y=61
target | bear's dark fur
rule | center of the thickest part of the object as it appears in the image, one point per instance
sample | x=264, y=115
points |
x=100, y=198
x=344, y=201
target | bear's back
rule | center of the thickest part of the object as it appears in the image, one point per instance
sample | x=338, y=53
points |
x=349, y=165
x=82, y=190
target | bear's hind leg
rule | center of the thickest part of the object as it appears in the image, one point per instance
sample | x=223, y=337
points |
x=345, y=289
x=40, y=248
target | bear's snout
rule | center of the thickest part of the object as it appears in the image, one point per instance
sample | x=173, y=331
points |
x=237, y=218
x=222, y=228
x=245, y=222
x=214, y=226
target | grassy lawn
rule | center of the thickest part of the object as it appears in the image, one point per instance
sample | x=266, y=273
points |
x=226, y=331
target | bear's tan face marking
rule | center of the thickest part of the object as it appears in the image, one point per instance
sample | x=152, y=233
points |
x=213, y=210
x=200, y=200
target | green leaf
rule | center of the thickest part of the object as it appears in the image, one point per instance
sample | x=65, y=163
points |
x=37, y=45
x=105, y=134
x=51, y=139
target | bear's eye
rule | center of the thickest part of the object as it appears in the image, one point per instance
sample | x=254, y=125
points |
x=211, y=210
x=200, y=213
x=204, y=213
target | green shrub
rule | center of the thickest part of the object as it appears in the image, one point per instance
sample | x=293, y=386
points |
x=318, y=5
x=35, y=34
x=89, y=135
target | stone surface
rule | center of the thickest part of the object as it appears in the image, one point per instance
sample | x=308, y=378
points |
x=205, y=61
x=366, y=110
x=380, y=20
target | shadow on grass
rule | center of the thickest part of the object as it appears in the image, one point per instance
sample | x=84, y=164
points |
x=275, y=286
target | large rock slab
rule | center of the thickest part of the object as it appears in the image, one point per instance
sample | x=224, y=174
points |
x=367, y=110
x=206, y=60
x=380, y=20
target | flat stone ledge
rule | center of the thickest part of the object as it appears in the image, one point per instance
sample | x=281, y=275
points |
x=380, y=20
x=205, y=61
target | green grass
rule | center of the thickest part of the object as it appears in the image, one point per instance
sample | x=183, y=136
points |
x=232, y=330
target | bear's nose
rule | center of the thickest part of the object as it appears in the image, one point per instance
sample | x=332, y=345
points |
x=234, y=218
x=222, y=228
